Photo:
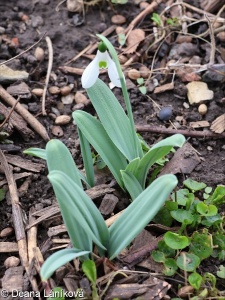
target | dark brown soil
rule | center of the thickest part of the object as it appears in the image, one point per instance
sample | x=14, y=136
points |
x=70, y=33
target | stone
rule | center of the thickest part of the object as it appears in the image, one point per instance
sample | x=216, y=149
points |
x=62, y=120
x=198, y=92
x=11, y=261
x=7, y=75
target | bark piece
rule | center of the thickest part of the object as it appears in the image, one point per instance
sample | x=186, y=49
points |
x=184, y=161
x=108, y=204
x=24, y=163
x=6, y=247
x=7, y=75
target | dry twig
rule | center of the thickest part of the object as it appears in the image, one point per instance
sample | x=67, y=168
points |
x=31, y=120
x=50, y=62
x=187, y=132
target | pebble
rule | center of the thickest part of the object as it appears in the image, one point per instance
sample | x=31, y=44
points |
x=185, y=291
x=31, y=59
x=54, y=90
x=8, y=75
x=62, y=120
x=133, y=74
x=81, y=98
x=39, y=53
x=197, y=92
x=68, y=99
x=78, y=106
x=209, y=148
x=55, y=111
x=6, y=232
x=33, y=107
x=37, y=21
x=11, y=261
x=37, y=92
x=186, y=105
x=118, y=19
x=65, y=90
x=57, y=131
x=165, y=113
x=2, y=30
x=144, y=72
x=221, y=36
x=202, y=109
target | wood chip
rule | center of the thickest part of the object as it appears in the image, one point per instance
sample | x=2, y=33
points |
x=108, y=204
x=24, y=163
x=163, y=88
x=184, y=161
x=199, y=124
x=6, y=247
x=218, y=125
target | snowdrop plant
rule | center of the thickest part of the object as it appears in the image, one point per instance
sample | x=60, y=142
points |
x=85, y=224
x=113, y=134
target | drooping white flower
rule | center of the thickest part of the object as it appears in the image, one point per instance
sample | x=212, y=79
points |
x=102, y=60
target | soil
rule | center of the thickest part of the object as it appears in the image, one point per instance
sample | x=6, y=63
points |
x=24, y=22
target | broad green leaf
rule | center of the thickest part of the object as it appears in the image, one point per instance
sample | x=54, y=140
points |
x=87, y=158
x=188, y=261
x=163, y=247
x=57, y=293
x=218, y=196
x=113, y=118
x=158, y=256
x=89, y=269
x=206, y=210
x=195, y=280
x=201, y=245
x=221, y=272
x=119, y=1
x=139, y=213
x=194, y=185
x=75, y=205
x=59, y=259
x=42, y=154
x=131, y=184
x=98, y=138
x=170, y=267
x=183, y=196
x=36, y=152
x=182, y=216
x=59, y=158
x=163, y=217
x=155, y=153
x=176, y=241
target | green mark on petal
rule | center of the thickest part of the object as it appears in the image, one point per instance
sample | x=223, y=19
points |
x=102, y=64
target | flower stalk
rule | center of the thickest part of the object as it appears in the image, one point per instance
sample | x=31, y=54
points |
x=114, y=56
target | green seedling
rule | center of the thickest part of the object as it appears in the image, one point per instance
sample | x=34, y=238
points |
x=141, y=86
x=90, y=271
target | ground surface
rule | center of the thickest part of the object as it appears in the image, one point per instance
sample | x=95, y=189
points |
x=23, y=23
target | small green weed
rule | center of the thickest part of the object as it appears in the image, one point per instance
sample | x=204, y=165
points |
x=200, y=236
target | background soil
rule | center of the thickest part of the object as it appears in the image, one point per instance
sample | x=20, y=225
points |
x=70, y=33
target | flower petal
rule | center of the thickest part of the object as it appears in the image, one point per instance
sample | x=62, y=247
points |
x=90, y=74
x=113, y=73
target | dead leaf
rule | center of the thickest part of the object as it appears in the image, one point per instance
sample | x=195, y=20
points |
x=218, y=125
x=134, y=38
